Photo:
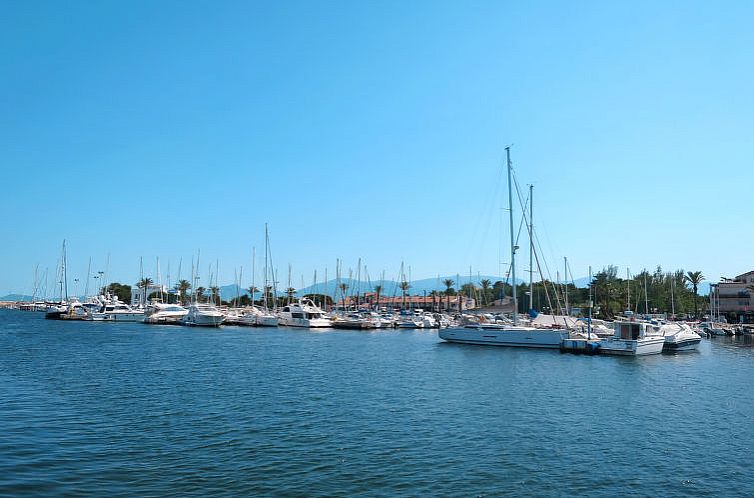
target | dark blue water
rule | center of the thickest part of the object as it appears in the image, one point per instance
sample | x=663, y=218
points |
x=136, y=410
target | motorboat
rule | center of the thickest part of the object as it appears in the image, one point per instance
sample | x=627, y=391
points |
x=71, y=310
x=408, y=320
x=203, y=315
x=352, y=321
x=633, y=338
x=679, y=337
x=304, y=313
x=255, y=317
x=164, y=314
x=113, y=310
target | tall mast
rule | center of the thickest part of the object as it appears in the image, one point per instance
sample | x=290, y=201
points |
x=589, y=323
x=513, y=242
x=565, y=282
x=628, y=289
x=531, y=246
x=266, y=271
x=672, y=294
x=646, y=297
x=65, y=271
x=253, y=272
x=88, y=272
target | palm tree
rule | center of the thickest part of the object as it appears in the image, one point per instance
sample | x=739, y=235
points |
x=182, y=287
x=378, y=291
x=215, y=294
x=252, y=291
x=486, y=283
x=404, y=286
x=144, y=284
x=343, y=288
x=694, y=278
x=200, y=294
x=448, y=285
x=433, y=294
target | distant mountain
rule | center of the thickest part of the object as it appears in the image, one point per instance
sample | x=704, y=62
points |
x=15, y=297
x=390, y=287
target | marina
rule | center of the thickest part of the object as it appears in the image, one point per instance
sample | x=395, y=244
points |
x=376, y=249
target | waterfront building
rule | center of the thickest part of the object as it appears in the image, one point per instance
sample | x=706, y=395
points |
x=138, y=297
x=734, y=298
x=425, y=302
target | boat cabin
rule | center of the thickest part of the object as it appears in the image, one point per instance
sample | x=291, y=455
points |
x=629, y=331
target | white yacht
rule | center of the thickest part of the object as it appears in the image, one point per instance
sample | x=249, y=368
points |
x=408, y=320
x=114, y=310
x=679, y=337
x=255, y=317
x=164, y=314
x=515, y=334
x=304, y=313
x=203, y=315
x=493, y=334
x=634, y=339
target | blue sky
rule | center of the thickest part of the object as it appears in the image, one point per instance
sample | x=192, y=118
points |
x=373, y=130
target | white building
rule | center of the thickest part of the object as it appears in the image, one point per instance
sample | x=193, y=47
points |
x=138, y=297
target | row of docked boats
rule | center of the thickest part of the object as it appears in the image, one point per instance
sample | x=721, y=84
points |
x=625, y=336
x=303, y=313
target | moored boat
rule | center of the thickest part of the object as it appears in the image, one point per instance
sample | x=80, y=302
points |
x=633, y=339
x=679, y=337
x=203, y=315
x=304, y=313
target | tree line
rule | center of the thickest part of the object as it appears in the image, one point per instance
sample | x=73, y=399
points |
x=646, y=292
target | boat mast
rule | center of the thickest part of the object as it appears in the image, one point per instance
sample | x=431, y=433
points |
x=565, y=282
x=266, y=281
x=646, y=297
x=531, y=247
x=253, y=272
x=628, y=289
x=672, y=295
x=513, y=242
x=65, y=272
x=589, y=323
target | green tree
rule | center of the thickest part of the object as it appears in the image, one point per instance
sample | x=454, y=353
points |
x=485, y=283
x=214, y=293
x=144, y=284
x=182, y=287
x=378, y=292
x=252, y=290
x=123, y=292
x=694, y=278
x=404, y=286
x=200, y=294
x=448, y=288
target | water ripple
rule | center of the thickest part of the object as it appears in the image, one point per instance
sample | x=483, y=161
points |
x=132, y=410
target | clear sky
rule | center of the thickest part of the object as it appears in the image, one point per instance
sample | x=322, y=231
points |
x=374, y=130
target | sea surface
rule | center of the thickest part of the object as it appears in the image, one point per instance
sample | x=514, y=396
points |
x=135, y=410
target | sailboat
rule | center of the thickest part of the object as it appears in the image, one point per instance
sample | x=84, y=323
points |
x=514, y=335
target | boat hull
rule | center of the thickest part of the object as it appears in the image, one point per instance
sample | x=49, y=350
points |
x=307, y=323
x=626, y=347
x=682, y=345
x=203, y=321
x=509, y=337
x=117, y=317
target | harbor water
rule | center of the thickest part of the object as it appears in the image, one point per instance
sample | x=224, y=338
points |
x=127, y=409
